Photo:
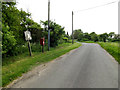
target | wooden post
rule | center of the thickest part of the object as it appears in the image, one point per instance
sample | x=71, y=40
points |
x=43, y=48
x=29, y=47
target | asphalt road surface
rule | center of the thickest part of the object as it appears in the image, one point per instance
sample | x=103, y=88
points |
x=89, y=66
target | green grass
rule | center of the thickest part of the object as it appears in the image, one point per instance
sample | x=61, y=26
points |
x=113, y=48
x=88, y=41
x=23, y=63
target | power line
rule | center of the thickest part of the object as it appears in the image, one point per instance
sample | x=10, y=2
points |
x=95, y=7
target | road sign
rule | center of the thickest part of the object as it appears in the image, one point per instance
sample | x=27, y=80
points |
x=28, y=35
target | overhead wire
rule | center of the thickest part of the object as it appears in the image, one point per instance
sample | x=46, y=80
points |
x=95, y=7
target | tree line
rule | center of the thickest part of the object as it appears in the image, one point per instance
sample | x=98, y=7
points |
x=105, y=37
x=14, y=23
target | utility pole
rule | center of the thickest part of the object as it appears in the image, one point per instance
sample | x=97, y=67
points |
x=72, y=29
x=48, y=25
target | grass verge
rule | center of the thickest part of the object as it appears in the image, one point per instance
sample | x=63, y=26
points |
x=113, y=48
x=88, y=41
x=12, y=71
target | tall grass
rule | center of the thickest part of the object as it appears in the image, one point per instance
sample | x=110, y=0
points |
x=25, y=63
x=88, y=41
x=22, y=51
x=113, y=48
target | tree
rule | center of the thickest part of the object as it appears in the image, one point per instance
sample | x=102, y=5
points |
x=105, y=36
x=15, y=19
x=67, y=34
x=76, y=33
x=111, y=36
x=86, y=36
x=116, y=38
x=66, y=37
x=8, y=41
x=14, y=22
x=94, y=36
x=57, y=32
x=100, y=37
x=35, y=29
x=80, y=37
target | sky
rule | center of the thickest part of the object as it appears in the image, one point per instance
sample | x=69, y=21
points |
x=100, y=20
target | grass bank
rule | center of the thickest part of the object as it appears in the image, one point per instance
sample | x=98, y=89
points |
x=88, y=41
x=15, y=69
x=113, y=48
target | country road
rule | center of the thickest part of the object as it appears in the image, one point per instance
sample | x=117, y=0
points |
x=88, y=66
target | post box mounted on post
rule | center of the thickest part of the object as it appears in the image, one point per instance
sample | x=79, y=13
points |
x=27, y=38
x=42, y=42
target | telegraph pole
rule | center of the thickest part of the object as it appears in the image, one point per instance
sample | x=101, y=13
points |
x=48, y=25
x=72, y=29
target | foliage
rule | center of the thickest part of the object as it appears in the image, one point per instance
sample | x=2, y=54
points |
x=94, y=36
x=36, y=31
x=76, y=33
x=56, y=32
x=9, y=40
x=81, y=36
x=104, y=36
x=16, y=22
x=87, y=36
x=25, y=63
x=112, y=48
x=65, y=38
x=13, y=29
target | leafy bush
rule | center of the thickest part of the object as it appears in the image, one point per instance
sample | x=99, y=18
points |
x=8, y=41
x=65, y=38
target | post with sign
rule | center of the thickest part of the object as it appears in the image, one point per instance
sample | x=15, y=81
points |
x=29, y=48
x=42, y=42
x=28, y=38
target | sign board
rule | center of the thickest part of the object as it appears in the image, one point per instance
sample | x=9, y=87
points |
x=28, y=35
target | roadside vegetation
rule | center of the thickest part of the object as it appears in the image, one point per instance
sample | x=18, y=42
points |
x=11, y=71
x=92, y=37
x=15, y=53
x=15, y=22
x=109, y=41
x=113, y=48
x=88, y=41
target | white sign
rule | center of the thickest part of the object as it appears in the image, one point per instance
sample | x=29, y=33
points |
x=28, y=35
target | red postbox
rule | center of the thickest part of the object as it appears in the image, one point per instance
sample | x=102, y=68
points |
x=42, y=41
